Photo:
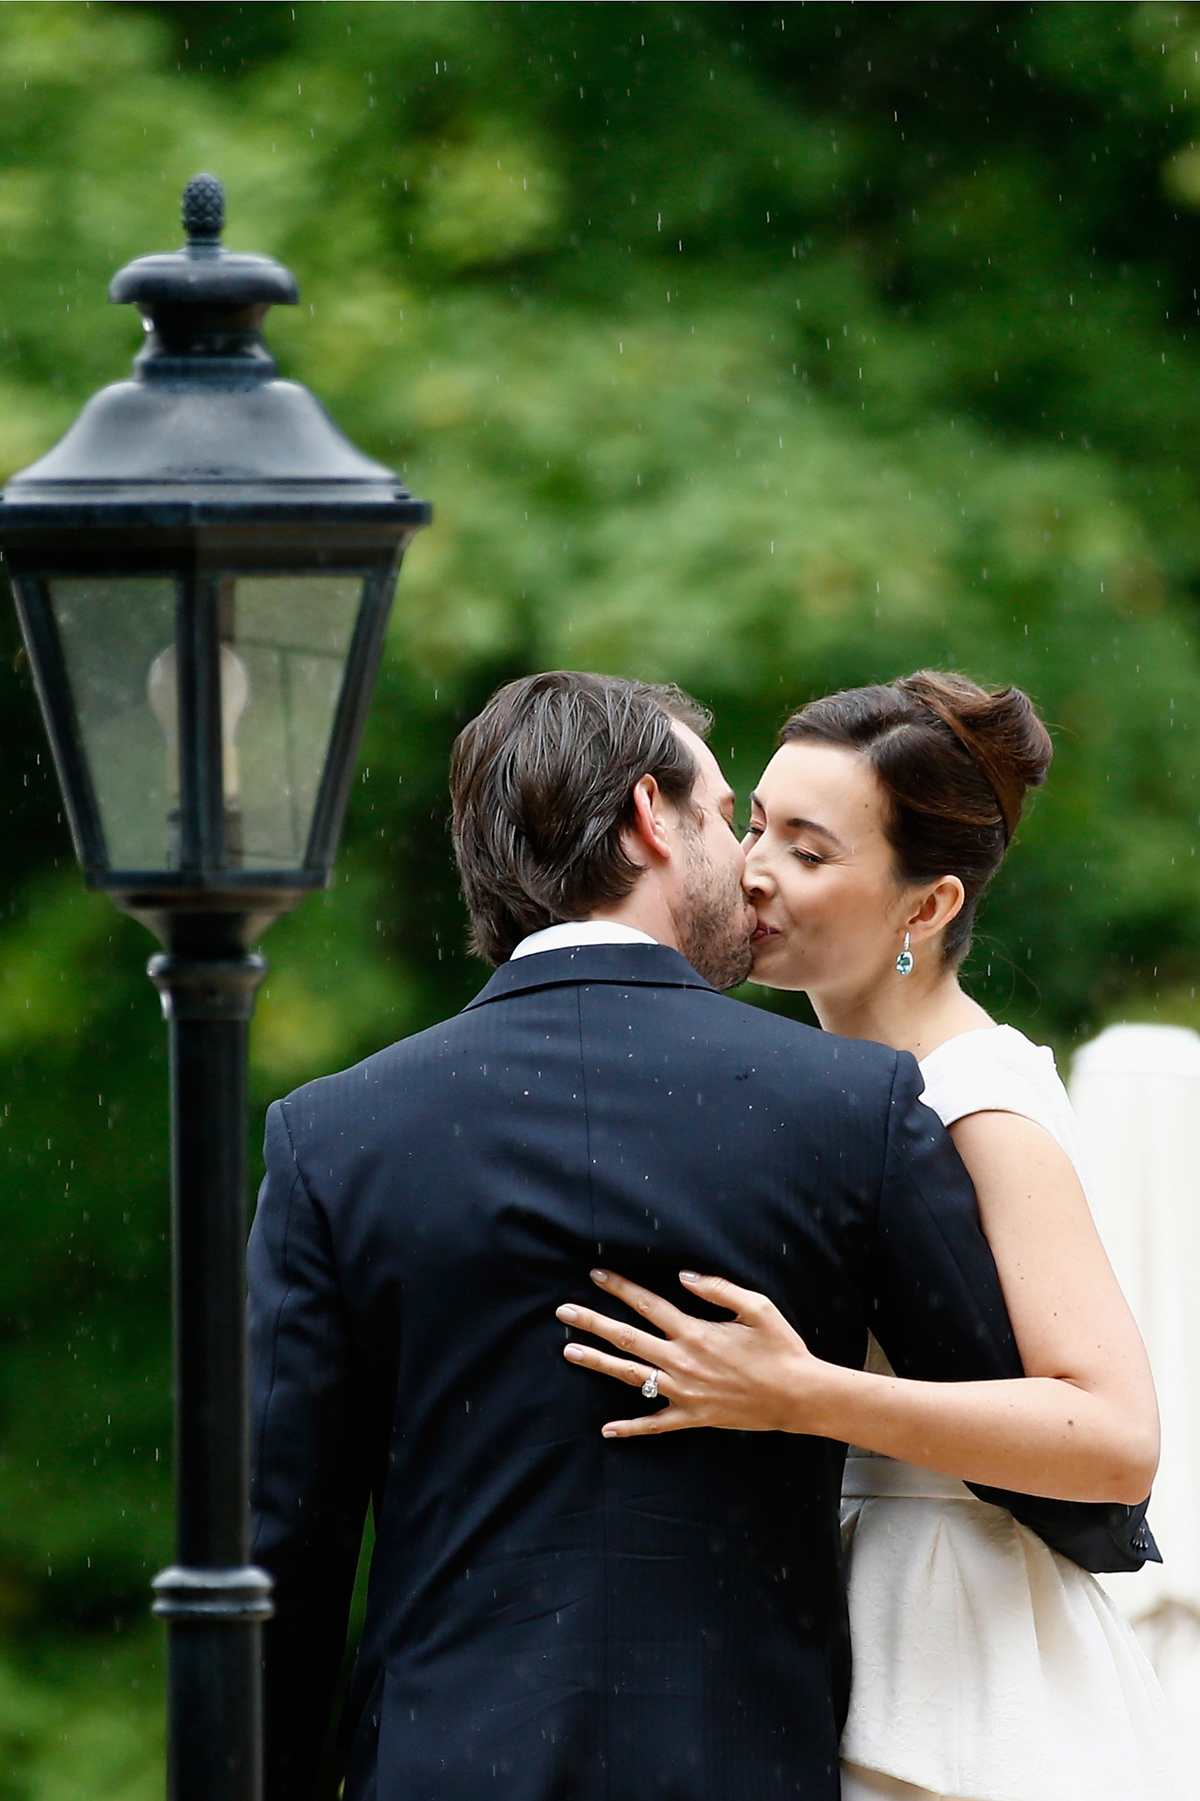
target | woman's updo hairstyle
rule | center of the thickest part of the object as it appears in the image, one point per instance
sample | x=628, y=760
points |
x=955, y=764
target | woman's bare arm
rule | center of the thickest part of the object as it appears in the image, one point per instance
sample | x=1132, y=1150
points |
x=1072, y=1324
x=1081, y=1426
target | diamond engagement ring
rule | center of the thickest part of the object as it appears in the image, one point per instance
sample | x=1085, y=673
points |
x=650, y=1386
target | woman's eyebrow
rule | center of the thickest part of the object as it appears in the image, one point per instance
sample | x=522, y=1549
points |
x=802, y=825
x=813, y=825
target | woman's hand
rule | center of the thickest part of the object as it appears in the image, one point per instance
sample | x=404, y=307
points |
x=1080, y=1426
x=749, y=1374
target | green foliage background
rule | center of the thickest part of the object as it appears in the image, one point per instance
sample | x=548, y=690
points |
x=768, y=348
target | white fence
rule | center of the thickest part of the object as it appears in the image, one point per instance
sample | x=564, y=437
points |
x=1136, y=1090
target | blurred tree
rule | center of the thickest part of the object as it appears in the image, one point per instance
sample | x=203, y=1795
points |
x=769, y=348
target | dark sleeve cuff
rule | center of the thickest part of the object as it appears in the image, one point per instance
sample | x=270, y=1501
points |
x=1097, y=1535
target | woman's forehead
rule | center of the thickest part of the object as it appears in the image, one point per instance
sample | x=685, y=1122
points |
x=827, y=785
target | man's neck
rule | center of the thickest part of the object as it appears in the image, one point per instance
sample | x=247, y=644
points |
x=645, y=910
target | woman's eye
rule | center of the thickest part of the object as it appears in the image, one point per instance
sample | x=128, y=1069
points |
x=807, y=856
x=752, y=831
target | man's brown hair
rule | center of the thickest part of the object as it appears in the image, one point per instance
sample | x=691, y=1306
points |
x=542, y=788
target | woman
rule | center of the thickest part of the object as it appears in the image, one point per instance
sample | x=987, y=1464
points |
x=986, y=1666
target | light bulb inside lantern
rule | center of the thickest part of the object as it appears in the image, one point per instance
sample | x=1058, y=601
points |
x=235, y=692
x=163, y=693
x=162, y=690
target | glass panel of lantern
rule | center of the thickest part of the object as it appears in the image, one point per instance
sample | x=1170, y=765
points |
x=284, y=644
x=114, y=630
x=285, y=641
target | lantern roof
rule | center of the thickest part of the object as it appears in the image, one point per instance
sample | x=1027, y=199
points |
x=205, y=430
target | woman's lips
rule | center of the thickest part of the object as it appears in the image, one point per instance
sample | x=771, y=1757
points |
x=762, y=932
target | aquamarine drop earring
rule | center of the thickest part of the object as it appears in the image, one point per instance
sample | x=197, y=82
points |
x=904, y=962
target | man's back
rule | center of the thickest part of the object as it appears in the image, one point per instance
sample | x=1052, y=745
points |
x=554, y=1616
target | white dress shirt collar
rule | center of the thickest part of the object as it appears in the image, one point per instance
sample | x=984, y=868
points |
x=577, y=932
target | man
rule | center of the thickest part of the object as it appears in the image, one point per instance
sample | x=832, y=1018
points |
x=553, y=1616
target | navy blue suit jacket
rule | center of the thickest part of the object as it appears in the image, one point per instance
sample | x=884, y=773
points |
x=553, y=1616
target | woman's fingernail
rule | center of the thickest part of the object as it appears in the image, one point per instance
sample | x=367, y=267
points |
x=569, y=1314
x=599, y=1275
x=609, y=1432
x=573, y=1353
x=688, y=1275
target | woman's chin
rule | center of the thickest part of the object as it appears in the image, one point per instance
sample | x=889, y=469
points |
x=769, y=969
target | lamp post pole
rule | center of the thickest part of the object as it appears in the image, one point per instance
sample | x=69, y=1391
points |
x=213, y=1600
x=203, y=569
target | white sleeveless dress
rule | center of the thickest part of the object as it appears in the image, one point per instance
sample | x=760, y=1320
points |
x=986, y=1666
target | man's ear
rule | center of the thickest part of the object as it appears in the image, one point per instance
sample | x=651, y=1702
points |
x=649, y=827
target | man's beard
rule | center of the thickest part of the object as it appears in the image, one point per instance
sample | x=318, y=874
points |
x=711, y=926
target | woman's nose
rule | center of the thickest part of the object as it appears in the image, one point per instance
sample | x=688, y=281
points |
x=757, y=878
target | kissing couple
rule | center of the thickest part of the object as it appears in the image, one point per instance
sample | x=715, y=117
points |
x=782, y=1242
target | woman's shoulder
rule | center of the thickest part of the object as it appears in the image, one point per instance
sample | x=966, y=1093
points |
x=1000, y=1048
x=999, y=1070
x=995, y=1069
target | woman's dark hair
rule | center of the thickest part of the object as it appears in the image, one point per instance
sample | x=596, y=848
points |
x=542, y=788
x=954, y=762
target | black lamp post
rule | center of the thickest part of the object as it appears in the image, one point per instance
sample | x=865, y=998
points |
x=203, y=568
